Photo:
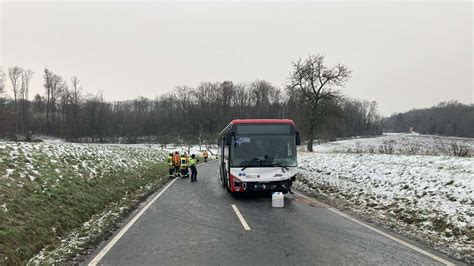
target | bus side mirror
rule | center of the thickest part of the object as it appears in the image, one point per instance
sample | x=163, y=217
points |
x=228, y=139
x=298, y=139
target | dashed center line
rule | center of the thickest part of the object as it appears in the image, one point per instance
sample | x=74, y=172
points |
x=241, y=218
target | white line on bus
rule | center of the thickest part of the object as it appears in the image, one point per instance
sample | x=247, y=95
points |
x=241, y=218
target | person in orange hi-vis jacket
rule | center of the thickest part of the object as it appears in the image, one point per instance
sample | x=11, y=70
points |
x=177, y=163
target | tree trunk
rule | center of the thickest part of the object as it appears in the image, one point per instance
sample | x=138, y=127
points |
x=16, y=115
x=310, y=136
x=310, y=144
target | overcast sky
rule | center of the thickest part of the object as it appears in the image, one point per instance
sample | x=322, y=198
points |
x=403, y=55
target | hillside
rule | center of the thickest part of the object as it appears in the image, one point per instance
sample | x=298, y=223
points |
x=58, y=198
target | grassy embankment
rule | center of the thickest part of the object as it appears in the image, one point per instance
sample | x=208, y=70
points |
x=57, y=199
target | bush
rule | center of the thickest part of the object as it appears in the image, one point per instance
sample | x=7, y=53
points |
x=459, y=150
x=386, y=148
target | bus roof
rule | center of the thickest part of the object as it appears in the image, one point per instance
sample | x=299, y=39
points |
x=256, y=121
x=262, y=121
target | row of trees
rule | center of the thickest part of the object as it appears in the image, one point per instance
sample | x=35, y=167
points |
x=312, y=98
x=447, y=118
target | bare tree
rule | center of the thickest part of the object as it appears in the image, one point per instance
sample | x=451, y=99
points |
x=57, y=85
x=14, y=73
x=75, y=102
x=3, y=80
x=24, y=90
x=314, y=81
x=48, y=77
x=226, y=90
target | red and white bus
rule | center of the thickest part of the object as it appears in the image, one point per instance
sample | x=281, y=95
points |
x=258, y=155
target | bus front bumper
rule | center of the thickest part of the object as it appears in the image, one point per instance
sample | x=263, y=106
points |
x=275, y=186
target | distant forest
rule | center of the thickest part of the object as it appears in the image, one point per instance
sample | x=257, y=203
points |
x=447, y=118
x=184, y=115
x=312, y=98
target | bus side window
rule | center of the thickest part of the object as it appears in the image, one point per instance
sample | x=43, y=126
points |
x=289, y=149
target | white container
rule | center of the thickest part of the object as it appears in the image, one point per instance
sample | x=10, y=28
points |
x=278, y=200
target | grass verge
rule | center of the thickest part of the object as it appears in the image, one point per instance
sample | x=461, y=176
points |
x=55, y=200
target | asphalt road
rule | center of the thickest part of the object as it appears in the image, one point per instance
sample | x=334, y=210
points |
x=195, y=223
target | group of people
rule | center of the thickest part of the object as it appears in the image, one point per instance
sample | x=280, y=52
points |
x=179, y=165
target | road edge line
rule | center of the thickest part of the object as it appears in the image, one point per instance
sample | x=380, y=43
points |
x=241, y=218
x=387, y=235
x=394, y=238
x=117, y=237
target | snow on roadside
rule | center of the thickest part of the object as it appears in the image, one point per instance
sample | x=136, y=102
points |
x=22, y=160
x=428, y=197
x=46, y=170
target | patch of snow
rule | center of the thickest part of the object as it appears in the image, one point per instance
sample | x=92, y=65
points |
x=9, y=172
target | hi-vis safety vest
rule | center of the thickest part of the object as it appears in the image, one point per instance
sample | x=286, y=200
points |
x=192, y=162
x=177, y=158
x=204, y=154
x=184, y=161
x=170, y=160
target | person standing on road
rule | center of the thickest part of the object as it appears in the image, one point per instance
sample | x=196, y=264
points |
x=171, y=167
x=177, y=160
x=192, y=164
x=184, y=166
x=205, y=155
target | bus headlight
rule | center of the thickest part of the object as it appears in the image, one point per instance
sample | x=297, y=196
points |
x=237, y=182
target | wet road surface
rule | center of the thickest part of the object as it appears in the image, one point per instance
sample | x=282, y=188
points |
x=195, y=223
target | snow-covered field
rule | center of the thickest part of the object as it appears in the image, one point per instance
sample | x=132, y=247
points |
x=30, y=160
x=429, y=197
x=171, y=148
x=395, y=143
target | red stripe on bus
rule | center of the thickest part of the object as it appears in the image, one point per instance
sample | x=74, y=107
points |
x=262, y=121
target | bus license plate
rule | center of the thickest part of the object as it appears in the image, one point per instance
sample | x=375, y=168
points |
x=260, y=186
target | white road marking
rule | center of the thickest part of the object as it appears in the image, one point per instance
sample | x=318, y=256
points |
x=396, y=239
x=241, y=218
x=107, y=248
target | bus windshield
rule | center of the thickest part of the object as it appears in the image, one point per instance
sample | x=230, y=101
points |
x=263, y=150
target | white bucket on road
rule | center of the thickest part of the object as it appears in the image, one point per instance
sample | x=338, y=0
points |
x=278, y=200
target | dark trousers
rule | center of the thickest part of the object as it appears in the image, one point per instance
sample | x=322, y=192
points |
x=184, y=172
x=171, y=170
x=194, y=173
x=176, y=169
